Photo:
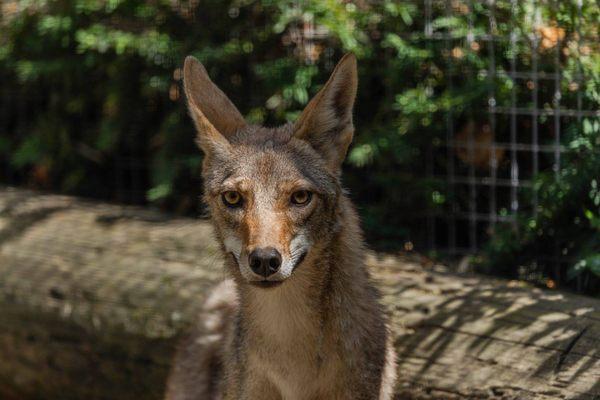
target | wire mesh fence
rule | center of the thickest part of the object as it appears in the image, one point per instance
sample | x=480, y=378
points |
x=492, y=156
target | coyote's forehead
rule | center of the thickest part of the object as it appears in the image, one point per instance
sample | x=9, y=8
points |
x=267, y=160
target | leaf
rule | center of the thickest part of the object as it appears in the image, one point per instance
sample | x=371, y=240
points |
x=28, y=152
x=159, y=192
x=593, y=264
x=590, y=263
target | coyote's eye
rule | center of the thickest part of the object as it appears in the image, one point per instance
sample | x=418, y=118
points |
x=301, y=197
x=232, y=198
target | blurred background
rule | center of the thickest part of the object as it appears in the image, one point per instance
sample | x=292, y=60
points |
x=478, y=123
x=477, y=149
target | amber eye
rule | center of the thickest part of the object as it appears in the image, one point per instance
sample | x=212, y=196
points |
x=301, y=197
x=232, y=198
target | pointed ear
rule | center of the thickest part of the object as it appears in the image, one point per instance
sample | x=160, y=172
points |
x=326, y=122
x=214, y=115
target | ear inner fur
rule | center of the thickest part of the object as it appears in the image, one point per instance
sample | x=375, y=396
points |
x=215, y=116
x=326, y=122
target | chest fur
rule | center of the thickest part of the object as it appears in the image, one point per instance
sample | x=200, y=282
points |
x=300, y=368
x=289, y=343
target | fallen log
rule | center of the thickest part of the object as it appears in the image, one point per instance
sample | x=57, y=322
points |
x=93, y=298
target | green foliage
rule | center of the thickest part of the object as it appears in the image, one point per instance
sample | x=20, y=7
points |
x=92, y=102
x=567, y=221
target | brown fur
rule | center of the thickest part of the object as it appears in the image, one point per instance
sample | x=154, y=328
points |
x=321, y=332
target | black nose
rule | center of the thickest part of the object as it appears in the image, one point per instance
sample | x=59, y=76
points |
x=265, y=261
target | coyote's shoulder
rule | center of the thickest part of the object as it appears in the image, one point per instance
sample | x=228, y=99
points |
x=299, y=317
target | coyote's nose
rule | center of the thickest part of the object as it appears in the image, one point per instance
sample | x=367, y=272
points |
x=265, y=261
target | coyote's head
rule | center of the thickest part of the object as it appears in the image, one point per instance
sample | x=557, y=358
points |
x=273, y=192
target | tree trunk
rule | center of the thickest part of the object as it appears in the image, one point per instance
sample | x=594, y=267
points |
x=93, y=298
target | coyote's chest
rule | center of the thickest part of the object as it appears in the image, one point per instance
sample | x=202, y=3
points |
x=294, y=377
x=299, y=371
x=290, y=351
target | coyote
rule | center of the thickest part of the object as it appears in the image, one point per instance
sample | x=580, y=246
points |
x=299, y=318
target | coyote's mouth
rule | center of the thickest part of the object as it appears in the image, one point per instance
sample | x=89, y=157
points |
x=266, y=284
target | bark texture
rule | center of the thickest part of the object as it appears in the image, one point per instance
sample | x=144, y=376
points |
x=93, y=298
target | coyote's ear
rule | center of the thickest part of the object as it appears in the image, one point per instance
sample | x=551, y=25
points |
x=326, y=122
x=215, y=116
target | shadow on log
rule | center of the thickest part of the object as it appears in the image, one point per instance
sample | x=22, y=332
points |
x=93, y=298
